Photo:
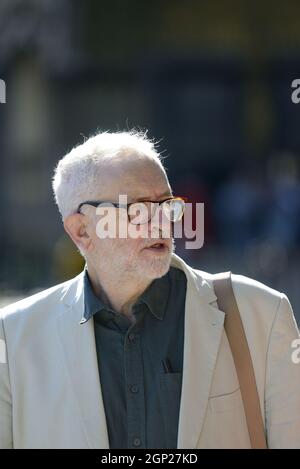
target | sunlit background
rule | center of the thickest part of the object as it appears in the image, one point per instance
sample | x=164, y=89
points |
x=210, y=80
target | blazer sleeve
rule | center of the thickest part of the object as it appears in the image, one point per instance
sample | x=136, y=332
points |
x=6, y=438
x=282, y=389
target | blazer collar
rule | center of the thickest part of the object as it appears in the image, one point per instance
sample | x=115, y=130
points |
x=204, y=289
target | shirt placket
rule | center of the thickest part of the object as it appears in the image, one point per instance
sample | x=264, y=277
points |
x=134, y=383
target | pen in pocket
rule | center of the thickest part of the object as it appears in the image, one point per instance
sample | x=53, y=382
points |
x=167, y=366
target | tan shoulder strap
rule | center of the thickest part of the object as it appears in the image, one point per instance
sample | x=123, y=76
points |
x=241, y=355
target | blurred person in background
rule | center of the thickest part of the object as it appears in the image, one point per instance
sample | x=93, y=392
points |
x=132, y=352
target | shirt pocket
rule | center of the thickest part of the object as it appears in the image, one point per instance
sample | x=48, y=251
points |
x=170, y=387
x=226, y=402
x=171, y=382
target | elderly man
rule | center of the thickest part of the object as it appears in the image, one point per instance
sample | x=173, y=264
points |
x=132, y=353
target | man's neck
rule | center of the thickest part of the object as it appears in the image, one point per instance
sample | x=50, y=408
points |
x=120, y=292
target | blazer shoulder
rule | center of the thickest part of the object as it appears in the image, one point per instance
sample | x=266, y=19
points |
x=251, y=293
x=253, y=290
x=50, y=295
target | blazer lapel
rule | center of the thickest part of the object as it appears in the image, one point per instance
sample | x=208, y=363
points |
x=79, y=347
x=202, y=336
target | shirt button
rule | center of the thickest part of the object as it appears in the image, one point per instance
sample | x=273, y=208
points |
x=131, y=337
x=134, y=389
x=136, y=442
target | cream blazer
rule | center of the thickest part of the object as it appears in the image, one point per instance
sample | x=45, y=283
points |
x=50, y=393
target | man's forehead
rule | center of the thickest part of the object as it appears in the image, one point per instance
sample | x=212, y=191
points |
x=146, y=195
x=137, y=179
x=136, y=194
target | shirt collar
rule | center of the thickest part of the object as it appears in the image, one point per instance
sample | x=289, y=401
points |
x=155, y=296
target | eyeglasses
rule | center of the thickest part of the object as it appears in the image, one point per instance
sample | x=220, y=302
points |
x=142, y=212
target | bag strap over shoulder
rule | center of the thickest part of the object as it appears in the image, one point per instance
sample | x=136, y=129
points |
x=241, y=355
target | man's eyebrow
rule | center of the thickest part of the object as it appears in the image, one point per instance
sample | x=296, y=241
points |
x=166, y=194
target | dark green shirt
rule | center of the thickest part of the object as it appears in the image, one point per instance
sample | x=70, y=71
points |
x=140, y=365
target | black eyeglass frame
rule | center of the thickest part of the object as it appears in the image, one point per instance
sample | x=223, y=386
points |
x=94, y=203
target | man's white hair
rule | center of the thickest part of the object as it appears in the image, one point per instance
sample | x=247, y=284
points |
x=76, y=176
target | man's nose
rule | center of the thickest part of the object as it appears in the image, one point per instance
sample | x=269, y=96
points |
x=160, y=225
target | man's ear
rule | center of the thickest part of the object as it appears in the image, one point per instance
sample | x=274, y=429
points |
x=75, y=225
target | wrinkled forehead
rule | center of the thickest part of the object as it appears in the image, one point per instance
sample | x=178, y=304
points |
x=136, y=176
